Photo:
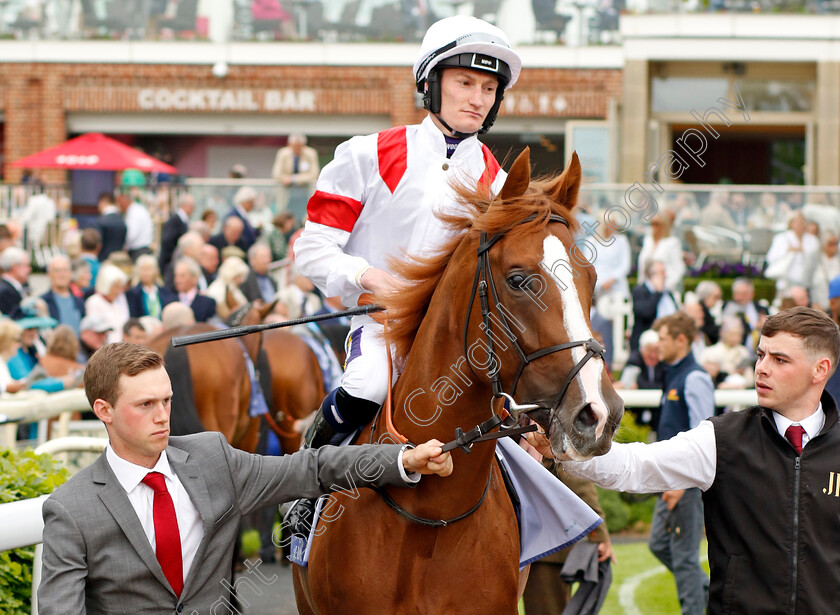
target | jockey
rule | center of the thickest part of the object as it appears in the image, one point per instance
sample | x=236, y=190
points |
x=378, y=198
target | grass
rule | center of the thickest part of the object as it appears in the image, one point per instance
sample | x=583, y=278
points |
x=656, y=595
x=250, y=542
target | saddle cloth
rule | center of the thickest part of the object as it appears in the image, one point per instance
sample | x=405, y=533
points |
x=551, y=517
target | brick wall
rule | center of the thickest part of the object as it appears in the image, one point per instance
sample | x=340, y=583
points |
x=36, y=97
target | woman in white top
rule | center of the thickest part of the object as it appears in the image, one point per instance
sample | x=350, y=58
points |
x=795, y=253
x=612, y=262
x=225, y=288
x=109, y=300
x=828, y=267
x=733, y=356
x=660, y=245
x=10, y=333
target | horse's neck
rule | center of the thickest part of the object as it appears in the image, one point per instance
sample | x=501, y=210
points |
x=251, y=343
x=436, y=393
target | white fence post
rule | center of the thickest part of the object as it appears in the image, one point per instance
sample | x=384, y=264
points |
x=36, y=575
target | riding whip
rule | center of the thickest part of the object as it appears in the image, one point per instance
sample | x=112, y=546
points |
x=221, y=334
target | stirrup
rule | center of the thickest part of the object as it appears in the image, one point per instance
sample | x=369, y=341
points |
x=298, y=516
x=320, y=432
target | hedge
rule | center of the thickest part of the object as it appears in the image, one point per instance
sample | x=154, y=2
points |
x=23, y=475
x=764, y=288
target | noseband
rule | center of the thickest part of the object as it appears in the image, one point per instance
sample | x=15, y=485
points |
x=481, y=282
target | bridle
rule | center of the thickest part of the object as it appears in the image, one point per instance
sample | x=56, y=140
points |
x=483, y=280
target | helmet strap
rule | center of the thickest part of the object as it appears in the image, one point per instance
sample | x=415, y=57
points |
x=432, y=102
x=494, y=111
x=455, y=133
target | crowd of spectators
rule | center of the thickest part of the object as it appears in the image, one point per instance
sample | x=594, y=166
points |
x=122, y=279
x=801, y=257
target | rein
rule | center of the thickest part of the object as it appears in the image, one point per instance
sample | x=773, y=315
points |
x=279, y=431
x=432, y=522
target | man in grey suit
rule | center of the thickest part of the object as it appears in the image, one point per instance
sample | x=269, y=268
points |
x=111, y=535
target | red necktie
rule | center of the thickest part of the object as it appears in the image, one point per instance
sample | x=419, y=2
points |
x=794, y=436
x=167, y=536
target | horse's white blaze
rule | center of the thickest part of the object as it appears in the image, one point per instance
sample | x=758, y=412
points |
x=589, y=377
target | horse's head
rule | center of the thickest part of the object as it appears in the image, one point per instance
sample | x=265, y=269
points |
x=539, y=293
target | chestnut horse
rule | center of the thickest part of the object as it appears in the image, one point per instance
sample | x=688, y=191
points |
x=297, y=385
x=221, y=388
x=501, y=309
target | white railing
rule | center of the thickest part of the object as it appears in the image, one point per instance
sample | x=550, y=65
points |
x=32, y=406
x=21, y=522
x=650, y=398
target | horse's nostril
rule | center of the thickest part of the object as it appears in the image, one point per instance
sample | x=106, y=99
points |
x=586, y=419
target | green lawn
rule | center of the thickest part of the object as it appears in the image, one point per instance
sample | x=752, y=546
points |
x=654, y=595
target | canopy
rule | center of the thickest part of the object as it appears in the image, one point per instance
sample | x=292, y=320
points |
x=94, y=152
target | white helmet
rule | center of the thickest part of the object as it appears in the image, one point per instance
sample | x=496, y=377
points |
x=469, y=42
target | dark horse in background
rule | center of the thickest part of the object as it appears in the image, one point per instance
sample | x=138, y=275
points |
x=370, y=560
x=212, y=387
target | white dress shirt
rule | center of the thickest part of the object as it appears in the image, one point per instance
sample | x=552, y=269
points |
x=687, y=460
x=613, y=263
x=115, y=313
x=669, y=251
x=142, y=498
x=140, y=228
x=188, y=297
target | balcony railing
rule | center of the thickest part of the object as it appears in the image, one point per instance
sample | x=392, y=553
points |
x=573, y=22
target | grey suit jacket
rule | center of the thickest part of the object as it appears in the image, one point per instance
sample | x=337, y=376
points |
x=97, y=558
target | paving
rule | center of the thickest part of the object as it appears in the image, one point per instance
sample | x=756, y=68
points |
x=263, y=589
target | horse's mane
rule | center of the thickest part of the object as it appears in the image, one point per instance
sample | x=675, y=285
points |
x=408, y=305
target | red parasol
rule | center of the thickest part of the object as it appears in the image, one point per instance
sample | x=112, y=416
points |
x=94, y=152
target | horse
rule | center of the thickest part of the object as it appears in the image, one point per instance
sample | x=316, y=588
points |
x=502, y=309
x=213, y=389
x=297, y=386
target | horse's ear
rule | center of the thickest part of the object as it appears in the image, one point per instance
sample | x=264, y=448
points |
x=564, y=189
x=519, y=176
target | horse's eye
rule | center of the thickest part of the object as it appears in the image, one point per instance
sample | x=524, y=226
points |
x=516, y=281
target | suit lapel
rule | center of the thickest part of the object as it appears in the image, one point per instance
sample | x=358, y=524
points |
x=192, y=479
x=114, y=498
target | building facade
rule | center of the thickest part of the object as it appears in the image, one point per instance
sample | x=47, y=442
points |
x=204, y=106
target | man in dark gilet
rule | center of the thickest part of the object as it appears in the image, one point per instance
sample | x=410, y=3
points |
x=769, y=476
